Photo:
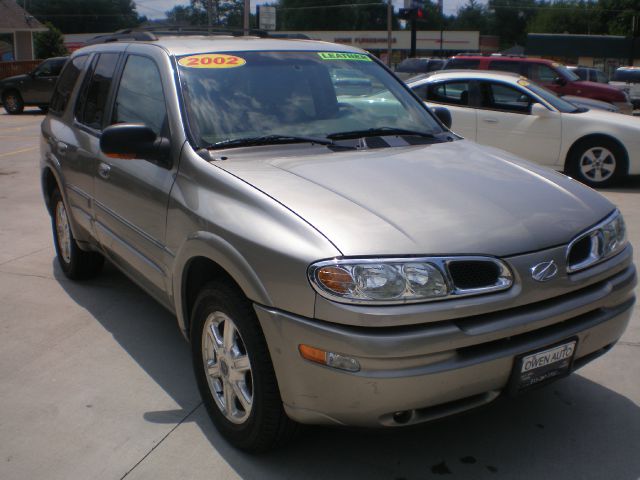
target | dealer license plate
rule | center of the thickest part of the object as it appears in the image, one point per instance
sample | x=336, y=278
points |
x=542, y=366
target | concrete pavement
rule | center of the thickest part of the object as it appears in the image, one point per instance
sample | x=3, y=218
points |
x=96, y=383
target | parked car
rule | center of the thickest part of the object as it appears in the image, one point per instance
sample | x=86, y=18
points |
x=628, y=78
x=552, y=75
x=410, y=67
x=331, y=260
x=34, y=88
x=589, y=74
x=510, y=112
x=590, y=103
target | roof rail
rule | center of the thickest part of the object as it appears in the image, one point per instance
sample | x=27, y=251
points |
x=150, y=34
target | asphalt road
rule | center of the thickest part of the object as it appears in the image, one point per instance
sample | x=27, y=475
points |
x=96, y=383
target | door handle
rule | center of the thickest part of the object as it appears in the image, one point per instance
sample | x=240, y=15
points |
x=104, y=169
x=62, y=148
x=490, y=120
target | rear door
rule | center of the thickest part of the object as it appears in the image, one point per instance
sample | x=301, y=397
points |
x=43, y=80
x=505, y=122
x=131, y=196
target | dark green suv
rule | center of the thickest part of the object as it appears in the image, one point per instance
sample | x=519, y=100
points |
x=33, y=88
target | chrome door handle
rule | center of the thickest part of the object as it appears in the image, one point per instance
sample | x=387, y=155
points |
x=104, y=169
x=490, y=120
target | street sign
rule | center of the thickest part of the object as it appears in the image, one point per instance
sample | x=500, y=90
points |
x=266, y=17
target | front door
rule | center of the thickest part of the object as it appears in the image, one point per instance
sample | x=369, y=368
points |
x=505, y=122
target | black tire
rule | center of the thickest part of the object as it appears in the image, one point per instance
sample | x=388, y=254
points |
x=266, y=426
x=12, y=102
x=597, y=162
x=74, y=262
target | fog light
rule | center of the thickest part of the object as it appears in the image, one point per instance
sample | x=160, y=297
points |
x=330, y=359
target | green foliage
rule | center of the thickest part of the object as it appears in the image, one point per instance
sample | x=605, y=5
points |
x=473, y=16
x=85, y=16
x=510, y=19
x=50, y=43
x=224, y=13
x=311, y=15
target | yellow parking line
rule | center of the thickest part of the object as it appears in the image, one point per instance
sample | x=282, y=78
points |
x=8, y=154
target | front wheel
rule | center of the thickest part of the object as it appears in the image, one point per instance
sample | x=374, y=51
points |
x=74, y=262
x=12, y=102
x=234, y=371
x=597, y=162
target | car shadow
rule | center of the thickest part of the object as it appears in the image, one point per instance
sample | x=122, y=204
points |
x=574, y=428
x=631, y=184
x=27, y=112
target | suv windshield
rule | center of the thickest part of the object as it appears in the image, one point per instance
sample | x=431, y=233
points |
x=245, y=95
x=566, y=73
x=628, y=76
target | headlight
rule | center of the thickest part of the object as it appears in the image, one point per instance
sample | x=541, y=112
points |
x=598, y=243
x=392, y=281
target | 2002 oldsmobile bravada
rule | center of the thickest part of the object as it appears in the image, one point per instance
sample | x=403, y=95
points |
x=331, y=260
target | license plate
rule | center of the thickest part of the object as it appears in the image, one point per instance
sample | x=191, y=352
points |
x=542, y=366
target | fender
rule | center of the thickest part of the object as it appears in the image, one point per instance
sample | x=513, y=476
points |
x=218, y=250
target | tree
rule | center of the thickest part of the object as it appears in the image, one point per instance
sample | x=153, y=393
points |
x=565, y=16
x=83, y=16
x=473, y=16
x=510, y=19
x=315, y=15
x=224, y=13
x=50, y=43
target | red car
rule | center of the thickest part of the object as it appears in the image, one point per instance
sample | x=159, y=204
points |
x=553, y=75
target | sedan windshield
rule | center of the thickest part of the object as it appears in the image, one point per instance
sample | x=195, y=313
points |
x=278, y=96
x=561, y=105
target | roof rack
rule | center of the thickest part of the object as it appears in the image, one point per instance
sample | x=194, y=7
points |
x=149, y=34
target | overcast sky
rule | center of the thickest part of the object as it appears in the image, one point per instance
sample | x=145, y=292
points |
x=156, y=8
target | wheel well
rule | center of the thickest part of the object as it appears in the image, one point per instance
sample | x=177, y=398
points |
x=200, y=271
x=594, y=137
x=49, y=184
x=9, y=90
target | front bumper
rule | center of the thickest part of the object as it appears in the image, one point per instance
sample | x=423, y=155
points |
x=417, y=373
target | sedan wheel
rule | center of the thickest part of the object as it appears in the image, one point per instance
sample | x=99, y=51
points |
x=597, y=162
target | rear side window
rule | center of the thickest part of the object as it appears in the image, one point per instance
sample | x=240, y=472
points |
x=454, y=93
x=462, y=63
x=65, y=84
x=140, y=98
x=92, y=102
x=412, y=65
x=507, y=66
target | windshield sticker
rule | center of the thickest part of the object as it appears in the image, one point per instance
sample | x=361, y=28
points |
x=212, y=60
x=523, y=83
x=354, y=57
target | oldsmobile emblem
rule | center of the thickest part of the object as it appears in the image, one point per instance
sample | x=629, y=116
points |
x=544, y=271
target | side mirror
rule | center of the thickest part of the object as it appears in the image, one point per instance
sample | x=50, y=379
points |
x=560, y=81
x=130, y=141
x=540, y=110
x=444, y=115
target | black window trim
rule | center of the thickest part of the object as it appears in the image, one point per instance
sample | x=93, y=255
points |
x=474, y=85
x=486, y=81
x=85, y=85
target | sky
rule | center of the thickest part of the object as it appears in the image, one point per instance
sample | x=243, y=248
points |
x=156, y=8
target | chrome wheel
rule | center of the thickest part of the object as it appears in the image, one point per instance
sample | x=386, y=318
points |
x=63, y=232
x=227, y=367
x=597, y=164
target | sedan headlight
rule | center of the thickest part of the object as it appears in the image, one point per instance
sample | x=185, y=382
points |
x=392, y=281
x=597, y=244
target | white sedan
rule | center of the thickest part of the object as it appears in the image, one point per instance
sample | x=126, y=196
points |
x=510, y=112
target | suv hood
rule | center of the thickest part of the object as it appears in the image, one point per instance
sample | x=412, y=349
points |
x=447, y=198
x=14, y=79
x=612, y=93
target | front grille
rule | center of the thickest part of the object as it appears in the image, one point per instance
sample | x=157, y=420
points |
x=580, y=251
x=470, y=274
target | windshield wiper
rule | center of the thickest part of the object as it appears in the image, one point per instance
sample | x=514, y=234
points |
x=267, y=140
x=377, y=132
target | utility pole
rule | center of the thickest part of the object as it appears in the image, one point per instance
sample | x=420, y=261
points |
x=209, y=16
x=247, y=6
x=389, y=31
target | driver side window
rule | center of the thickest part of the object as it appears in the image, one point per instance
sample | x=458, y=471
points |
x=496, y=96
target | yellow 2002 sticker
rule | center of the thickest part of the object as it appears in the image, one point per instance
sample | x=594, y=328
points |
x=522, y=82
x=212, y=60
